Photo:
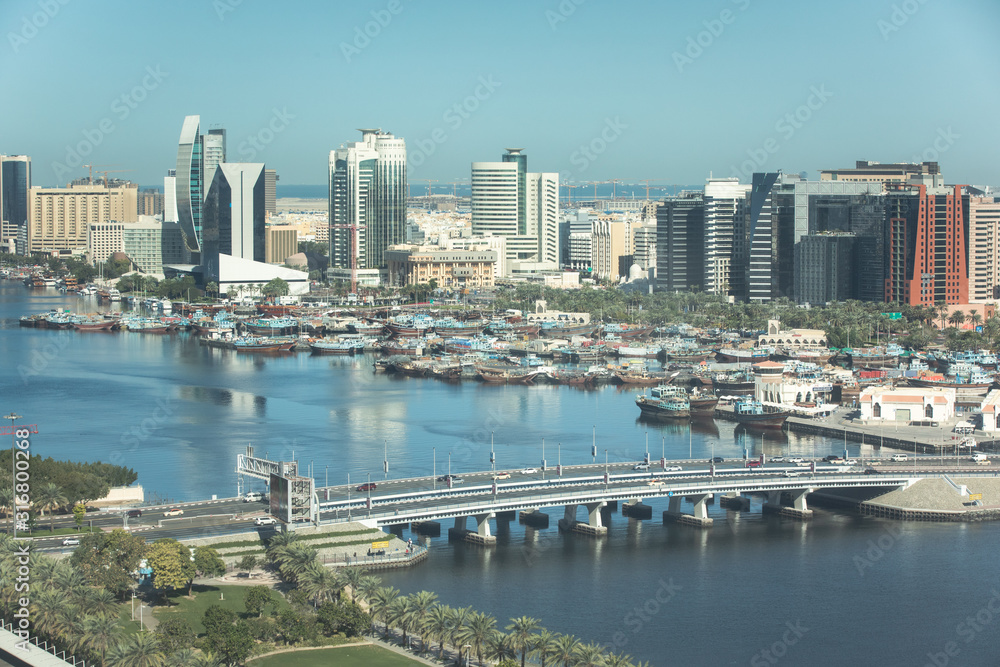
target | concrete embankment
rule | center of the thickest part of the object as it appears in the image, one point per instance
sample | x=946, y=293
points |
x=925, y=500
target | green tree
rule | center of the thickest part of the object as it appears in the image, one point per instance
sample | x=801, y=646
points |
x=348, y=618
x=212, y=287
x=544, y=645
x=216, y=619
x=141, y=649
x=247, y=564
x=257, y=598
x=439, y=626
x=109, y=559
x=320, y=583
x=295, y=627
x=49, y=497
x=100, y=633
x=206, y=563
x=478, y=632
x=276, y=287
x=79, y=514
x=956, y=319
x=420, y=605
x=522, y=631
x=565, y=649
x=175, y=634
x=171, y=564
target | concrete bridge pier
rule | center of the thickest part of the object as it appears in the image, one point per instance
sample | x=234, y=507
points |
x=798, y=509
x=595, y=523
x=481, y=535
x=635, y=509
x=534, y=518
x=735, y=501
x=699, y=515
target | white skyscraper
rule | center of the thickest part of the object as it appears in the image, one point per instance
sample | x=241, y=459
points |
x=367, y=199
x=214, y=147
x=170, y=197
x=725, y=199
x=523, y=207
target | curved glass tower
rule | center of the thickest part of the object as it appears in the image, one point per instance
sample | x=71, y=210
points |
x=190, y=183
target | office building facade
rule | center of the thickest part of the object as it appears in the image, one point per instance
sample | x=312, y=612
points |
x=724, y=211
x=59, y=218
x=984, y=248
x=280, y=244
x=824, y=268
x=190, y=185
x=15, y=183
x=270, y=191
x=233, y=220
x=681, y=244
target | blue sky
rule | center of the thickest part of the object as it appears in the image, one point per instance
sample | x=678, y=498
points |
x=667, y=91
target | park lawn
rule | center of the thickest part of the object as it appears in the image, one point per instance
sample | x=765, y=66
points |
x=346, y=656
x=193, y=610
x=40, y=531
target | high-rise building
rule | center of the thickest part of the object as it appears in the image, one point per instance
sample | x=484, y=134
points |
x=280, y=243
x=233, y=220
x=883, y=173
x=367, y=199
x=15, y=182
x=824, y=268
x=644, y=238
x=150, y=243
x=523, y=207
x=190, y=184
x=150, y=202
x=576, y=235
x=270, y=191
x=927, y=258
x=724, y=203
x=170, y=196
x=214, y=154
x=984, y=248
x=58, y=218
x=612, y=241
x=681, y=250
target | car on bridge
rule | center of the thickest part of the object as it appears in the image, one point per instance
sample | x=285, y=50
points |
x=264, y=521
x=656, y=482
x=455, y=479
x=792, y=473
x=528, y=471
x=777, y=459
x=134, y=514
x=501, y=475
x=640, y=466
x=898, y=457
x=718, y=459
x=253, y=497
x=794, y=459
x=368, y=486
x=755, y=463
x=173, y=511
x=673, y=469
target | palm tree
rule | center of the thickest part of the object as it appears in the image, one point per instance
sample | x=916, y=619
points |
x=47, y=607
x=366, y=587
x=974, y=318
x=352, y=577
x=957, y=319
x=616, y=660
x=420, y=606
x=543, y=645
x=6, y=498
x=100, y=634
x=320, y=583
x=49, y=496
x=398, y=614
x=565, y=649
x=102, y=602
x=459, y=619
x=439, y=626
x=294, y=559
x=590, y=655
x=478, y=632
x=500, y=647
x=141, y=649
x=381, y=601
x=522, y=630
x=212, y=287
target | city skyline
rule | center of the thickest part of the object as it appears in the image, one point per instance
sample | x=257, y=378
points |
x=669, y=93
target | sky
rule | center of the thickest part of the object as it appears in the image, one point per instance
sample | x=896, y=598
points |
x=666, y=91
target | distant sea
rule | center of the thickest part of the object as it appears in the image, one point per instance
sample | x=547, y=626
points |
x=302, y=191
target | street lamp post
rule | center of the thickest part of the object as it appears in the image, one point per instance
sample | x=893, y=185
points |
x=434, y=468
x=13, y=468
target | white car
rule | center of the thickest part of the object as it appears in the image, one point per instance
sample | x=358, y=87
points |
x=656, y=482
x=673, y=469
x=174, y=511
x=898, y=457
x=264, y=521
x=640, y=466
x=528, y=471
x=803, y=464
x=851, y=462
x=792, y=473
x=70, y=542
x=794, y=459
x=778, y=459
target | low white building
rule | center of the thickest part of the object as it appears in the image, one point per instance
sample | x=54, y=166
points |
x=796, y=339
x=907, y=404
x=991, y=411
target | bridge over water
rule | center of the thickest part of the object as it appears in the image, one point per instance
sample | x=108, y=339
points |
x=483, y=496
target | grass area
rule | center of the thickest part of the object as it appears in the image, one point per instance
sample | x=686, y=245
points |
x=346, y=656
x=125, y=617
x=301, y=538
x=193, y=609
x=40, y=531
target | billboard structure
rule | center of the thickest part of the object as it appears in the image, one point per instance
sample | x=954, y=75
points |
x=293, y=499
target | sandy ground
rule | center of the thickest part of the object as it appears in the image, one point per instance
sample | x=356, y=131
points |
x=285, y=204
x=937, y=494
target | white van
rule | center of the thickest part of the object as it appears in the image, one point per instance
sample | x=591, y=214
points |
x=898, y=457
x=253, y=497
x=979, y=457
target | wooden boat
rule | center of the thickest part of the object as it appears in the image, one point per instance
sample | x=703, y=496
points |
x=664, y=403
x=642, y=378
x=754, y=414
x=262, y=344
x=506, y=376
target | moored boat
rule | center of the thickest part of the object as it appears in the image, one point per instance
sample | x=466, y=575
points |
x=754, y=414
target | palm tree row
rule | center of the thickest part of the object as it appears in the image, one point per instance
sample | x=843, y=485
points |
x=68, y=612
x=465, y=628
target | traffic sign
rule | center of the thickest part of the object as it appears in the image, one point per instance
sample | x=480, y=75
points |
x=975, y=496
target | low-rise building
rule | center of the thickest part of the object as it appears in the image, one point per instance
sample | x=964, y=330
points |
x=410, y=265
x=907, y=404
x=990, y=410
x=795, y=339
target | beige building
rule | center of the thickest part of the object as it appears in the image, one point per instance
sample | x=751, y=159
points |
x=907, y=404
x=411, y=265
x=103, y=240
x=984, y=249
x=150, y=202
x=280, y=243
x=612, y=240
x=148, y=244
x=883, y=173
x=59, y=218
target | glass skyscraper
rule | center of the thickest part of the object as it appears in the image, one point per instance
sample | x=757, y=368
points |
x=190, y=184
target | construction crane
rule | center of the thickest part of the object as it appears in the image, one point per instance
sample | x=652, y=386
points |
x=352, y=251
x=113, y=171
x=614, y=187
x=569, y=193
x=10, y=430
x=647, y=181
x=90, y=168
x=429, y=181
